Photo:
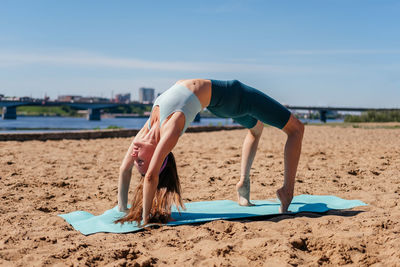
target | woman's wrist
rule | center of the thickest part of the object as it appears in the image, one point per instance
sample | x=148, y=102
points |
x=122, y=208
x=122, y=205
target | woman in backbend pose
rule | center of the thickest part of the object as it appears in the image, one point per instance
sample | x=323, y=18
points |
x=172, y=113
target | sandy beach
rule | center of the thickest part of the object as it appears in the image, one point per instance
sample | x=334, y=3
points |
x=39, y=180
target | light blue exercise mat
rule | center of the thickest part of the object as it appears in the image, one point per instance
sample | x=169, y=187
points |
x=206, y=211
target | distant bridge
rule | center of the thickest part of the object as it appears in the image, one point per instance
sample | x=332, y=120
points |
x=10, y=108
x=323, y=110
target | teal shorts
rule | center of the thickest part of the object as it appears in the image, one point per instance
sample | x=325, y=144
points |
x=246, y=105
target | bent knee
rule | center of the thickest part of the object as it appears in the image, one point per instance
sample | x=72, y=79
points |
x=299, y=127
x=257, y=130
x=294, y=127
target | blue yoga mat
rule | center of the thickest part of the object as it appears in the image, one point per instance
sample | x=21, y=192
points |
x=206, y=211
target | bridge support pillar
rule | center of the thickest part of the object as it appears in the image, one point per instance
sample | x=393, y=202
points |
x=322, y=114
x=93, y=114
x=9, y=113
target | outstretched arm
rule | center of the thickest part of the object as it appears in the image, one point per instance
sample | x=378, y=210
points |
x=167, y=143
x=125, y=174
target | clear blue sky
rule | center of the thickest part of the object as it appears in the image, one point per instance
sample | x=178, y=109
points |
x=319, y=52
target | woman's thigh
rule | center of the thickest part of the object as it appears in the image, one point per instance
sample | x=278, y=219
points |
x=264, y=108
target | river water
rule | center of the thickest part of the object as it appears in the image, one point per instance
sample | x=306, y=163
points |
x=40, y=124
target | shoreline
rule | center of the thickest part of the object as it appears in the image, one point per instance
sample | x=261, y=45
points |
x=117, y=133
x=95, y=134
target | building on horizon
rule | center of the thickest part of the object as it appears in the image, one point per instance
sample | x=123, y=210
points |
x=78, y=98
x=69, y=98
x=26, y=99
x=122, y=98
x=146, y=95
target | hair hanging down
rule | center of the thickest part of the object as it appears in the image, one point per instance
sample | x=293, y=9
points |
x=168, y=193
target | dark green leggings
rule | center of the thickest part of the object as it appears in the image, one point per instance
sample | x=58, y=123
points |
x=246, y=105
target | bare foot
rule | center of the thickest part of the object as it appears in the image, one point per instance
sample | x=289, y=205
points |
x=285, y=199
x=243, y=193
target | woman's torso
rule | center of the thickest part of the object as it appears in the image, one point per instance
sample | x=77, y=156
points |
x=199, y=87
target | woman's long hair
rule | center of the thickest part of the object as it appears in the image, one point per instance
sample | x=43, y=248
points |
x=168, y=192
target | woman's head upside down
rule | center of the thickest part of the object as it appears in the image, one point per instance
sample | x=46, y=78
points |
x=168, y=193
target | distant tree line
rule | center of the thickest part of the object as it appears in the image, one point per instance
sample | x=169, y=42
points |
x=67, y=111
x=129, y=109
x=62, y=111
x=375, y=116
